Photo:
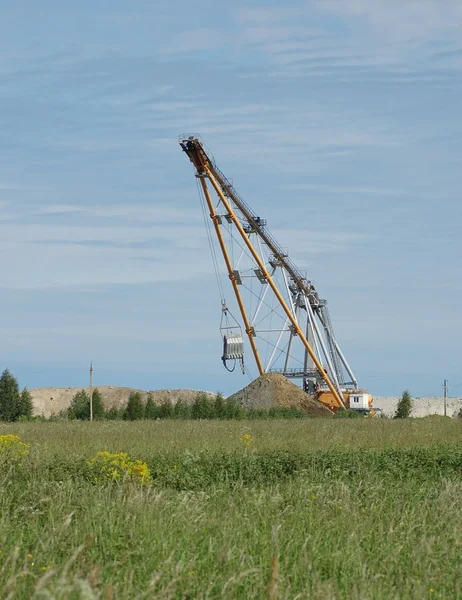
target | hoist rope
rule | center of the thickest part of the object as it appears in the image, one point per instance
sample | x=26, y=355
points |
x=211, y=244
x=247, y=372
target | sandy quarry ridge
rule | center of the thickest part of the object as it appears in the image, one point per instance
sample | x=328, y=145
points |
x=269, y=390
x=51, y=401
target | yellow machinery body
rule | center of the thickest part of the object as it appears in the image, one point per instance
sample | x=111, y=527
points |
x=359, y=400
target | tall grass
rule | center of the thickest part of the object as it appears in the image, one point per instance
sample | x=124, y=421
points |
x=145, y=437
x=332, y=509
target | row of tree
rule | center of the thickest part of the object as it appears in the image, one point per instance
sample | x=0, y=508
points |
x=203, y=407
x=14, y=405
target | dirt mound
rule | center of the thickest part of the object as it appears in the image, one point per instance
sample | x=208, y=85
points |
x=274, y=390
x=49, y=401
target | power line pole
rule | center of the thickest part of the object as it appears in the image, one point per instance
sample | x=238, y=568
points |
x=445, y=389
x=91, y=391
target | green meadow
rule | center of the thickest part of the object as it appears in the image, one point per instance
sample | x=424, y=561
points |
x=283, y=509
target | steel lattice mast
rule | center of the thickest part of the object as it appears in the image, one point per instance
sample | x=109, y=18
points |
x=294, y=295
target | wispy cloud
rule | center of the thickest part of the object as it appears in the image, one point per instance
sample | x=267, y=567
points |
x=132, y=212
x=338, y=121
x=422, y=19
x=197, y=40
x=307, y=40
x=98, y=251
x=332, y=189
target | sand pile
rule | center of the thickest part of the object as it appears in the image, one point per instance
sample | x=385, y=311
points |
x=273, y=389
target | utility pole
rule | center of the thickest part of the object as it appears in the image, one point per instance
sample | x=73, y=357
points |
x=91, y=391
x=445, y=390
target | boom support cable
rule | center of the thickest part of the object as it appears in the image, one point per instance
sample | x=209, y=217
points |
x=211, y=244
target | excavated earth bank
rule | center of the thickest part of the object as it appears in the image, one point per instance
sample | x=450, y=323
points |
x=270, y=390
x=273, y=390
x=48, y=401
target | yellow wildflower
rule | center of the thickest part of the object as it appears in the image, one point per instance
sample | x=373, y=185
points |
x=12, y=449
x=113, y=467
x=246, y=439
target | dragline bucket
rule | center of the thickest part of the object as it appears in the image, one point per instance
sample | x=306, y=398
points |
x=233, y=347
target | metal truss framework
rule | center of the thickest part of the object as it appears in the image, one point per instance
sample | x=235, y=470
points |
x=287, y=324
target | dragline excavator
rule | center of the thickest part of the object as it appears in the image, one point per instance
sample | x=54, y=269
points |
x=276, y=307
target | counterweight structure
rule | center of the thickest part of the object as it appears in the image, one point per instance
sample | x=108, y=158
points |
x=287, y=324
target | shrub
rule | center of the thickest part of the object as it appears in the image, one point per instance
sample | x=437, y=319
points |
x=344, y=413
x=282, y=412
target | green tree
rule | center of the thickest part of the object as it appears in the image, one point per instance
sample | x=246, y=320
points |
x=135, y=408
x=80, y=406
x=25, y=406
x=219, y=407
x=404, y=408
x=203, y=407
x=165, y=410
x=181, y=410
x=9, y=397
x=114, y=413
x=98, y=406
x=232, y=410
x=150, y=410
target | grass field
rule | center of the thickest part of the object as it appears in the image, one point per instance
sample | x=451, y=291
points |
x=295, y=509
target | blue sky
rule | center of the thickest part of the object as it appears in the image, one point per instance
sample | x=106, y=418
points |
x=339, y=122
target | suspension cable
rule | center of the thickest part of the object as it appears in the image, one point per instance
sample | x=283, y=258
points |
x=211, y=244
